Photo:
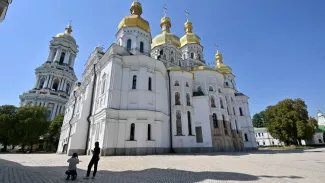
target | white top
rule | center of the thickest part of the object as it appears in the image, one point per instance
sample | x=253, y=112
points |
x=73, y=163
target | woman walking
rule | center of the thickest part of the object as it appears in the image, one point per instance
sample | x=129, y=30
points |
x=94, y=161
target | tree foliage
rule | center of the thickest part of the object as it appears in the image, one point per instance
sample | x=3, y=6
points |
x=8, y=120
x=313, y=122
x=259, y=120
x=55, y=129
x=288, y=121
x=32, y=123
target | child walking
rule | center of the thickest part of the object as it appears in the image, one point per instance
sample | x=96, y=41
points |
x=72, y=169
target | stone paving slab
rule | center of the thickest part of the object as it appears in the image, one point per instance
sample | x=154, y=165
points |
x=266, y=167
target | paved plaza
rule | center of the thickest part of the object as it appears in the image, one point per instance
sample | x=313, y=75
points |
x=265, y=166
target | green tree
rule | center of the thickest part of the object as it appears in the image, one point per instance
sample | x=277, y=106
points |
x=312, y=121
x=259, y=120
x=32, y=124
x=8, y=120
x=288, y=121
x=55, y=129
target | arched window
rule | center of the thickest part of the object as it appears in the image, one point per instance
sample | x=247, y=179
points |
x=227, y=83
x=320, y=141
x=189, y=123
x=149, y=132
x=215, y=120
x=198, y=56
x=241, y=111
x=132, y=130
x=210, y=88
x=62, y=58
x=55, y=85
x=187, y=84
x=128, y=44
x=134, y=83
x=172, y=60
x=188, y=101
x=41, y=83
x=178, y=123
x=219, y=90
x=149, y=84
x=67, y=88
x=234, y=110
x=164, y=57
x=246, y=137
x=212, y=102
x=141, y=47
x=192, y=55
x=224, y=125
x=103, y=83
x=177, y=99
x=172, y=53
x=221, y=103
x=199, y=89
x=236, y=127
x=176, y=83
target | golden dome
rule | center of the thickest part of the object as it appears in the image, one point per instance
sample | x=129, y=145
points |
x=165, y=36
x=189, y=37
x=223, y=68
x=135, y=20
x=67, y=34
x=165, y=21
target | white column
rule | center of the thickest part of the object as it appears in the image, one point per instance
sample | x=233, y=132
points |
x=36, y=82
x=50, y=55
x=63, y=83
x=72, y=62
x=54, y=111
x=66, y=58
x=57, y=56
x=60, y=84
x=46, y=81
x=50, y=81
x=65, y=87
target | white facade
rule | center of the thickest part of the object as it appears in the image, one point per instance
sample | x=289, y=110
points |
x=264, y=138
x=135, y=98
x=4, y=4
x=55, y=78
x=319, y=136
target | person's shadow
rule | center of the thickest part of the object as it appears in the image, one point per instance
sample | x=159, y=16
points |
x=152, y=175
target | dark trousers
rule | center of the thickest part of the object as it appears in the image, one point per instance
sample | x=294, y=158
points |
x=72, y=173
x=92, y=162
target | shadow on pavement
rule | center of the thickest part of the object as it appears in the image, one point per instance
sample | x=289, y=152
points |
x=15, y=172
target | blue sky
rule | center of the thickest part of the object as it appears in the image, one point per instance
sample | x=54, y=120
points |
x=275, y=48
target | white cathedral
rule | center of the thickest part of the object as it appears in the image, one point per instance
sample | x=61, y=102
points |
x=144, y=96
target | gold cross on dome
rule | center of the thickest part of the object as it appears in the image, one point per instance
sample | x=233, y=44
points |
x=70, y=22
x=165, y=9
x=187, y=14
x=217, y=47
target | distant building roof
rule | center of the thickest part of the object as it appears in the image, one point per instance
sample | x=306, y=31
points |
x=320, y=128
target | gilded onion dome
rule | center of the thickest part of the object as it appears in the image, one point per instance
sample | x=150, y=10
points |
x=189, y=37
x=135, y=19
x=225, y=69
x=67, y=34
x=165, y=36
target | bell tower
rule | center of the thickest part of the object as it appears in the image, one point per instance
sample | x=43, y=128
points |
x=55, y=78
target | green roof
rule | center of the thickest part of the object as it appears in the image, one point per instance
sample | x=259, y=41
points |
x=320, y=128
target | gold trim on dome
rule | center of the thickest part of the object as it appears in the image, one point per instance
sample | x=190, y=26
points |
x=190, y=38
x=204, y=68
x=135, y=20
x=165, y=38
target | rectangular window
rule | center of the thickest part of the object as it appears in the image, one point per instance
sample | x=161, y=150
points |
x=199, y=137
